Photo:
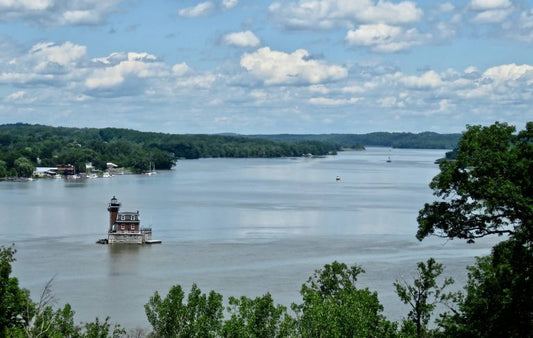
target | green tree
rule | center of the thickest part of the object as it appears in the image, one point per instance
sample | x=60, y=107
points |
x=334, y=307
x=16, y=307
x=258, y=317
x=499, y=294
x=103, y=329
x=3, y=169
x=424, y=294
x=53, y=324
x=200, y=316
x=24, y=167
x=487, y=190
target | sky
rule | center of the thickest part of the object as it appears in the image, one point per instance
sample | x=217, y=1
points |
x=267, y=67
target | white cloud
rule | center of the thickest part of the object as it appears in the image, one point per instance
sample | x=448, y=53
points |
x=327, y=14
x=17, y=95
x=326, y=101
x=58, y=13
x=66, y=65
x=384, y=38
x=446, y=7
x=229, y=4
x=321, y=89
x=391, y=102
x=445, y=106
x=359, y=89
x=242, y=39
x=259, y=95
x=127, y=77
x=500, y=83
x=202, y=9
x=275, y=67
x=484, y=5
x=78, y=17
x=45, y=62
x=221, y=119
x=428, y=80
x=144, y=57
x=353, y=89
x=471, y=70
x=526, y=20
x=65, y=54
x=181, y=69
x=32, y=5
x=490, y=11
x=523, y=30
x=201, y=81
x=492, y=16
x=510, y=72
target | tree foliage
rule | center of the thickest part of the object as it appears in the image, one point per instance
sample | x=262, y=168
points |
x=334, y=307
x=498, y=295
x=424, y=294
x=50, y=146
x=488, y=189
x=257, y=318
x=23, y=146
x=15, y=303
x=200, y=316
x=20, y=317
x=425, y=140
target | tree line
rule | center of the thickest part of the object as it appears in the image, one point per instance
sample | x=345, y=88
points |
x=487, y=190
x=332, y=305
x=425, y=140
x=24, y=146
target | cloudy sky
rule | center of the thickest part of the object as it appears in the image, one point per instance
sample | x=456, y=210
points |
x=297, y=66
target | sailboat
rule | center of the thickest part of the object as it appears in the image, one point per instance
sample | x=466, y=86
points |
x=151, y=171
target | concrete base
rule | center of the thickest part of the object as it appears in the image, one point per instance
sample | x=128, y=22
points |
x=125, y=238
x=145, y=236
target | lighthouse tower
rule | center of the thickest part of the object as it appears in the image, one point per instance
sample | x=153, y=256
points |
x=113, y=207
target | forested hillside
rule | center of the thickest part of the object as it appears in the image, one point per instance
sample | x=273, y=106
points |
x=425, y=140
x=24, y=146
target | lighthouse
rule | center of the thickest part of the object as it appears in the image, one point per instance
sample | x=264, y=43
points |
x=125, y=226
x=113, y=208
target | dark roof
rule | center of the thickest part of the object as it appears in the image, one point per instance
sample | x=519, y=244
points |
x=128, y=213
x=128, y=217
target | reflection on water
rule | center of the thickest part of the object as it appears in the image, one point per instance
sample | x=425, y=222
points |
x=123, y=259
x=237, y=226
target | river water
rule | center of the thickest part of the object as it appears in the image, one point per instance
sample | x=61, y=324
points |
x=236, y=226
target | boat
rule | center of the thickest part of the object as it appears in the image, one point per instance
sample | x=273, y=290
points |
x=151, y=171
x=389, y=160
x=338, y=178
x=152, y=241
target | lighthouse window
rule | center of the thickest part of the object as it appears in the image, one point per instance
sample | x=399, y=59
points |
x=133, y=217
x=122, y=217
x=123, y=227
x=132, y=227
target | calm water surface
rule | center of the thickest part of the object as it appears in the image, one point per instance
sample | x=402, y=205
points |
x=236, y=226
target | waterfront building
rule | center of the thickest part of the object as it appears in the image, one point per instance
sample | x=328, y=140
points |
x=125, y=226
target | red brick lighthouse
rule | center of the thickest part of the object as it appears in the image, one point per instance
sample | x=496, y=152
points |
x=125, y=226
x=113, y=208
